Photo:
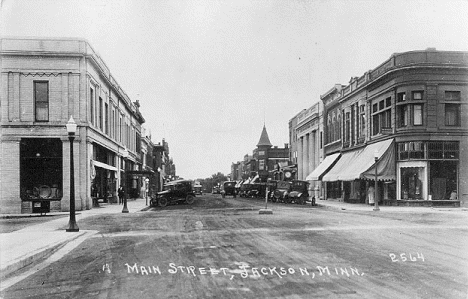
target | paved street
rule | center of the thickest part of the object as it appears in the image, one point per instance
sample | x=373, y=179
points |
x=223, y=248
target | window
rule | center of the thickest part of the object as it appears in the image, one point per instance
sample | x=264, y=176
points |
x=362, y=120
x=261, y=164
x=107, y=118
x=452, y=96
x=41, y=100
x=347, y=126
x=100, y=113
x=417, y=95
x=403, y=115
x=417, y=115
x=452, y=110
x=91, y=105
x=452, y=115
x=409, y=112
x=381, y=116
x=401, y=97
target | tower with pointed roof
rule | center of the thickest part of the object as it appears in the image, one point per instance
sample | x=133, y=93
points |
x=264, y=139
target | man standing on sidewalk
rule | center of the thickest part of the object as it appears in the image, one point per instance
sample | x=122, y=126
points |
x=121, y=193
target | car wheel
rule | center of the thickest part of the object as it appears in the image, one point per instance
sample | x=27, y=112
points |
x=162, y=201
x=190, y=199
x=153, y=202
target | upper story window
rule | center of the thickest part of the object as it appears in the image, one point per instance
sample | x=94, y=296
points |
x=333, y=128
x=381, y=116
x=452, y=108
x=417, y=95
x=401, y=97
x=417, y=115
x=106, y=110
x=91, y=104
x=362, y=121
x=100, y=113
x=410, y=112
x=41, y=100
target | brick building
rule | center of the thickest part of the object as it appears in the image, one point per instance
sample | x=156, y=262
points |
x=411, y=112
x=45, y=81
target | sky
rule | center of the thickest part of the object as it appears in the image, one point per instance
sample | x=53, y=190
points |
x=210, y=74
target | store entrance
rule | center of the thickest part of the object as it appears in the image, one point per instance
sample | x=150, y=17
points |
x=443, y=179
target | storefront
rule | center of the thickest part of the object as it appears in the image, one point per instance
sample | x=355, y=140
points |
x=354, y=173
x=103, y=175
x=428, y=170
x=41, y=174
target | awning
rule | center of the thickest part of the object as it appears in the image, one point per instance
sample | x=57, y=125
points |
x=255, y=179
x=140, y=172
x=326, y=164
x=103, y=165
x=359, y=164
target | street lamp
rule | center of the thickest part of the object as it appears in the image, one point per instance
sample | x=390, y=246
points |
x=71, y=129
x=146, y=189
x=376, y=200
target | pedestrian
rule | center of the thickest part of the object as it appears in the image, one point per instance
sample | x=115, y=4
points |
x=121, y=193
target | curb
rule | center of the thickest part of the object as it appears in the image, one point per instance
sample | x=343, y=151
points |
x=34, y=257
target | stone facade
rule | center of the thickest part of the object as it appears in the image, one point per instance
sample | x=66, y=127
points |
x=44, y=82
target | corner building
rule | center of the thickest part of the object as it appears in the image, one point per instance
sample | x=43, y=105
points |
x=412, y=111
x=45, y=81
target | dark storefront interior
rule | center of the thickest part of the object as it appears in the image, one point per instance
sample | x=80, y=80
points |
x=41, y=174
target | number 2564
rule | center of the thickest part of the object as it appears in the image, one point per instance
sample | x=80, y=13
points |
x=403, y=257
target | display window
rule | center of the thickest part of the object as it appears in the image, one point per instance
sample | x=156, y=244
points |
x=41, y=170
x=412, y=178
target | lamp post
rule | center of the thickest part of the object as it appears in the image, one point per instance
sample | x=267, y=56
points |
x=376, y=200
x=146, y=189
x=71, y=129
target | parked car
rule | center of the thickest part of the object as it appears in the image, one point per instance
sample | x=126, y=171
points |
x=281, y=193
x=228, y=188
x=179, y=191
x=197, y=189
x=299, y=192
x=215, y=190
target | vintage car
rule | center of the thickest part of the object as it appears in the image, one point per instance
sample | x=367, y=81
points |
x=179, y=191
x=228, y=188
x=215, y=190
x=197, y=189
x=281, y=192
x=299, y=192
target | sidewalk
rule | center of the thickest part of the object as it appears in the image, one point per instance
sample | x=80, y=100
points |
x=37, y=242
x=340, y=205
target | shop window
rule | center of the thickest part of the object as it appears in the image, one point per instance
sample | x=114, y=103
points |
x=41, y=100
x=334, y=189
x=452, y=115
x=412, y=183
x=41, y=168
x=443, y=178
x=417, y=115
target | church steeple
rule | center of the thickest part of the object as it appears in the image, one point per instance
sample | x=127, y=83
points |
x=264, y=140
